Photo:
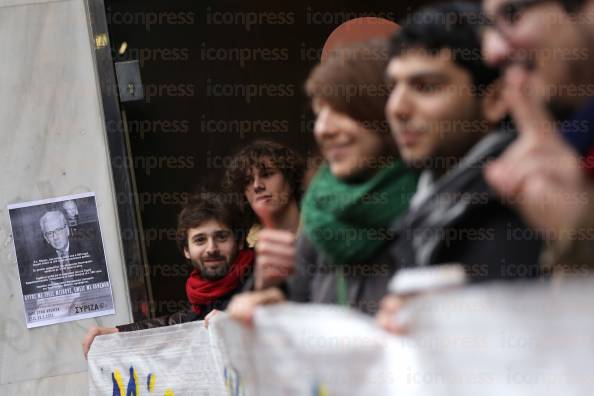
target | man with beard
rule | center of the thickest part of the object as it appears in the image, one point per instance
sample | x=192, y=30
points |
x=444, y=112
x=211, y=235
x=545, y=48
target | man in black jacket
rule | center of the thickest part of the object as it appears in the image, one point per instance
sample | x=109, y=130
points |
x=549, y=170
x=211, y=235
x=444, y=110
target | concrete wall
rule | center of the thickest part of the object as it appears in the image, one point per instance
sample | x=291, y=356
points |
x=52, y=143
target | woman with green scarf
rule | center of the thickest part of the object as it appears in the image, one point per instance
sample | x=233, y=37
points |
x=361, y=188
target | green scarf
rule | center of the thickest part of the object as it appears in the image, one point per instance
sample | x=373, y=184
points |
x=349, y=222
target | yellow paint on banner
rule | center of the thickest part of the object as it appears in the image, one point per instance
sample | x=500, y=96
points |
x=118, y=379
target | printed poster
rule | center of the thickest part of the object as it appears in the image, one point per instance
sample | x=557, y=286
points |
x=61, y=260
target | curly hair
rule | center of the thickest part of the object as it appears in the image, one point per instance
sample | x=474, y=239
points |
x=260, y=154
x=202, y=207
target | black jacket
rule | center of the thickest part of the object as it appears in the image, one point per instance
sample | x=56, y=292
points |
x=461, y=220
x=316, y=280
x=184, y=316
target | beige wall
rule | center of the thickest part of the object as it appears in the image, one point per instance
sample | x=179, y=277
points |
x=52, y=143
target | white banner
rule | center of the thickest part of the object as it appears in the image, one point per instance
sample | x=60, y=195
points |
x=166, y=361
x=300, y=349
x=511, y=339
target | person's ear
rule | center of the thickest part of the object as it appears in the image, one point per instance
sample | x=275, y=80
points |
x=186, y=252
x=493, y=106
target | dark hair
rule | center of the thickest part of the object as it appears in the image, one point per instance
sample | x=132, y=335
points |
x=202, y=207
x=572, y=5
x=454, y=26
x=352, y=81
x=256, y=154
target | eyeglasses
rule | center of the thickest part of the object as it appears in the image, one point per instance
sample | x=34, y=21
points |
x=52, y=234
x=508, y=13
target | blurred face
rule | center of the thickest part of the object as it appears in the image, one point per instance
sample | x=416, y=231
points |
x=553, y=46
x=268, y=188
x=212, y=249
x=56, y=232
x=432, y=111
x=350, y=148
x=70, y=209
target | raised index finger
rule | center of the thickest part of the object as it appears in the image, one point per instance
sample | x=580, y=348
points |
x=529, y=113
x=265, y=216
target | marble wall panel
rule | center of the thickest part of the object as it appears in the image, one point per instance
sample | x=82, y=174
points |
x=52, y=143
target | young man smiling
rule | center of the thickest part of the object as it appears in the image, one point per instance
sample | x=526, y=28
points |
x=340, y=257
x=211, y=235
x=444, y=110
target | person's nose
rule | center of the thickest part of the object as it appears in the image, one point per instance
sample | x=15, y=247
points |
x=399, y=106
x=212, y=248
x=258, y=184
x=325, y=126
x=496, y=48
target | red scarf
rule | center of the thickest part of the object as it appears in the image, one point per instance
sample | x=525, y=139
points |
x=203, y=292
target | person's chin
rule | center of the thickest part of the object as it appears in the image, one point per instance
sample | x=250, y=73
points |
x=212, y=275
x=267, y=203
x=341, y=170
x=415, y=161
x=352, y=173
x=214, y=266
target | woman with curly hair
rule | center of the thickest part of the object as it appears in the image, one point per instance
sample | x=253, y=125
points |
x=362, y=187
x=266, y=177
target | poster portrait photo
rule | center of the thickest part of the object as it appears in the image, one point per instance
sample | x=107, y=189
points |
x=62, y=267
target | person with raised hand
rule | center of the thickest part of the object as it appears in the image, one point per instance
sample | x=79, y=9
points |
x=267, y=177
x=548, y=172
x=540, y=188
x=356, y=194
x=211, y=236
x=446, y=113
